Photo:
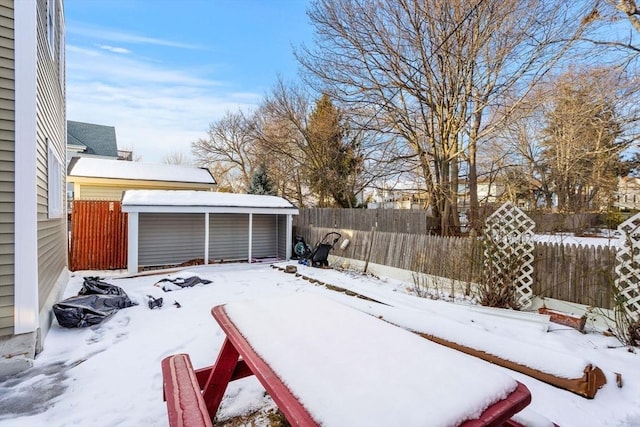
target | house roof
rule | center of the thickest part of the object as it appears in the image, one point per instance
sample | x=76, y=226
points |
x=202, y=201
x=120, y=169
x=99, y=140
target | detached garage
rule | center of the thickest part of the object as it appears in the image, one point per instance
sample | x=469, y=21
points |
x=168, y=227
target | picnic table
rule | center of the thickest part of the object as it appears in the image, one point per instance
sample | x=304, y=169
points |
x=324, y=363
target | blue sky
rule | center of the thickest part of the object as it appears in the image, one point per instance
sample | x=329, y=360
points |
x=161, y=70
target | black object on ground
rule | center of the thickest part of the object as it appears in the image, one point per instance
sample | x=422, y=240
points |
x=96, y=302
x=92, y=285
x=154, y=302
x=183, y=283
x=300, y=248
x=320, y=254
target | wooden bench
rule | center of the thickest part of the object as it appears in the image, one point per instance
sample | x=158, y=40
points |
x=182, y=392
x=282, y=348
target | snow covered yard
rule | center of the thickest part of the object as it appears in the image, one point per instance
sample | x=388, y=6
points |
x=109, y=375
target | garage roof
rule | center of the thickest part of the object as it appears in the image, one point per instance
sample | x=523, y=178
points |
x=120, y=169
x=203, y=201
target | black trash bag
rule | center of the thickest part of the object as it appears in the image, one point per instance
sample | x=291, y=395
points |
x=87, y=310
x=94, y=286
x=182, y=283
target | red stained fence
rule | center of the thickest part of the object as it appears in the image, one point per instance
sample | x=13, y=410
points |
x=98, y=236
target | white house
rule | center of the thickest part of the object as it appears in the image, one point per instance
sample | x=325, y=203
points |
x=33, y=226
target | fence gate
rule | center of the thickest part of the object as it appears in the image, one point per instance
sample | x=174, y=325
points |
x=98, y=238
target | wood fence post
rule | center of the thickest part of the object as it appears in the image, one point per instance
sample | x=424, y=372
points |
x=373, y=235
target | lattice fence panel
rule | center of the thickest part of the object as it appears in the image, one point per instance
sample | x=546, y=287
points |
x=509, y=251
x=627, y=280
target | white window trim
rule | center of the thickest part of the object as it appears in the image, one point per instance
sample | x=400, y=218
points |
x=55, y=198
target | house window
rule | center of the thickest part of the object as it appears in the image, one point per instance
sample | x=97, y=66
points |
x=61, y=49
x=51, y=25
x=54, y=183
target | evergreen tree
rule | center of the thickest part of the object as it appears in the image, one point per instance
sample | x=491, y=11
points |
x=261, y=183
x=580, y=148
x=332, y=159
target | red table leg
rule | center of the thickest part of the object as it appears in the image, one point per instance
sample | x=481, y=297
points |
x=220, y=376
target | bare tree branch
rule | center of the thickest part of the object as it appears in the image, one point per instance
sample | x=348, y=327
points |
x=435, y=71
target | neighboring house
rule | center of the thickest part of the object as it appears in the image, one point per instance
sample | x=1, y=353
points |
x=33, y=226
x=488, y=191
x=407, y=196
x=398, y=195
x=99, y=179
x=627, y=196
x=91, y=140
x=398, y=200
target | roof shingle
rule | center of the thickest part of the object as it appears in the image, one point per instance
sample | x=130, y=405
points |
x=99, y=139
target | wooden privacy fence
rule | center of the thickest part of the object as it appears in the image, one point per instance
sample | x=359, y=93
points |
x=414, y=221
x=452, y=257
x=580, y=274
x=575, y=273
x=417, y=221
x=98, y=236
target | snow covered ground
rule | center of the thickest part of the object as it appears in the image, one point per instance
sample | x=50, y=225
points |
x=613, y=240
x=109, y=375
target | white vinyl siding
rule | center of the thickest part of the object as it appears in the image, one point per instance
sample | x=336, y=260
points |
x=102, y=189
x=50, y=135
x=7, y=168
x=54, y=183
x=89, y=192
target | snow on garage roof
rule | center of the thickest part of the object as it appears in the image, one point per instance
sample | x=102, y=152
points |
x=208, y=199
x=120, y=169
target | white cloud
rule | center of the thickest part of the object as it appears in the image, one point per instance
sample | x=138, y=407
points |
x=114, y=49
x=101, y=33
x=156, y=109
x=94, y=64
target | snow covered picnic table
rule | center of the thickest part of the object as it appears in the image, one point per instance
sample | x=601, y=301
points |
x=324, y=363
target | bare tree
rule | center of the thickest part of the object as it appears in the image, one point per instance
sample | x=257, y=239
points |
x=525, y=174
x=584, y=137
x=630, y=10
x=435, y=71
x=229, y=147
x=282, y=119
x=568, y=138
x=178, y=158
x=129, y=153
x=322, y=158
x=602, y=16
